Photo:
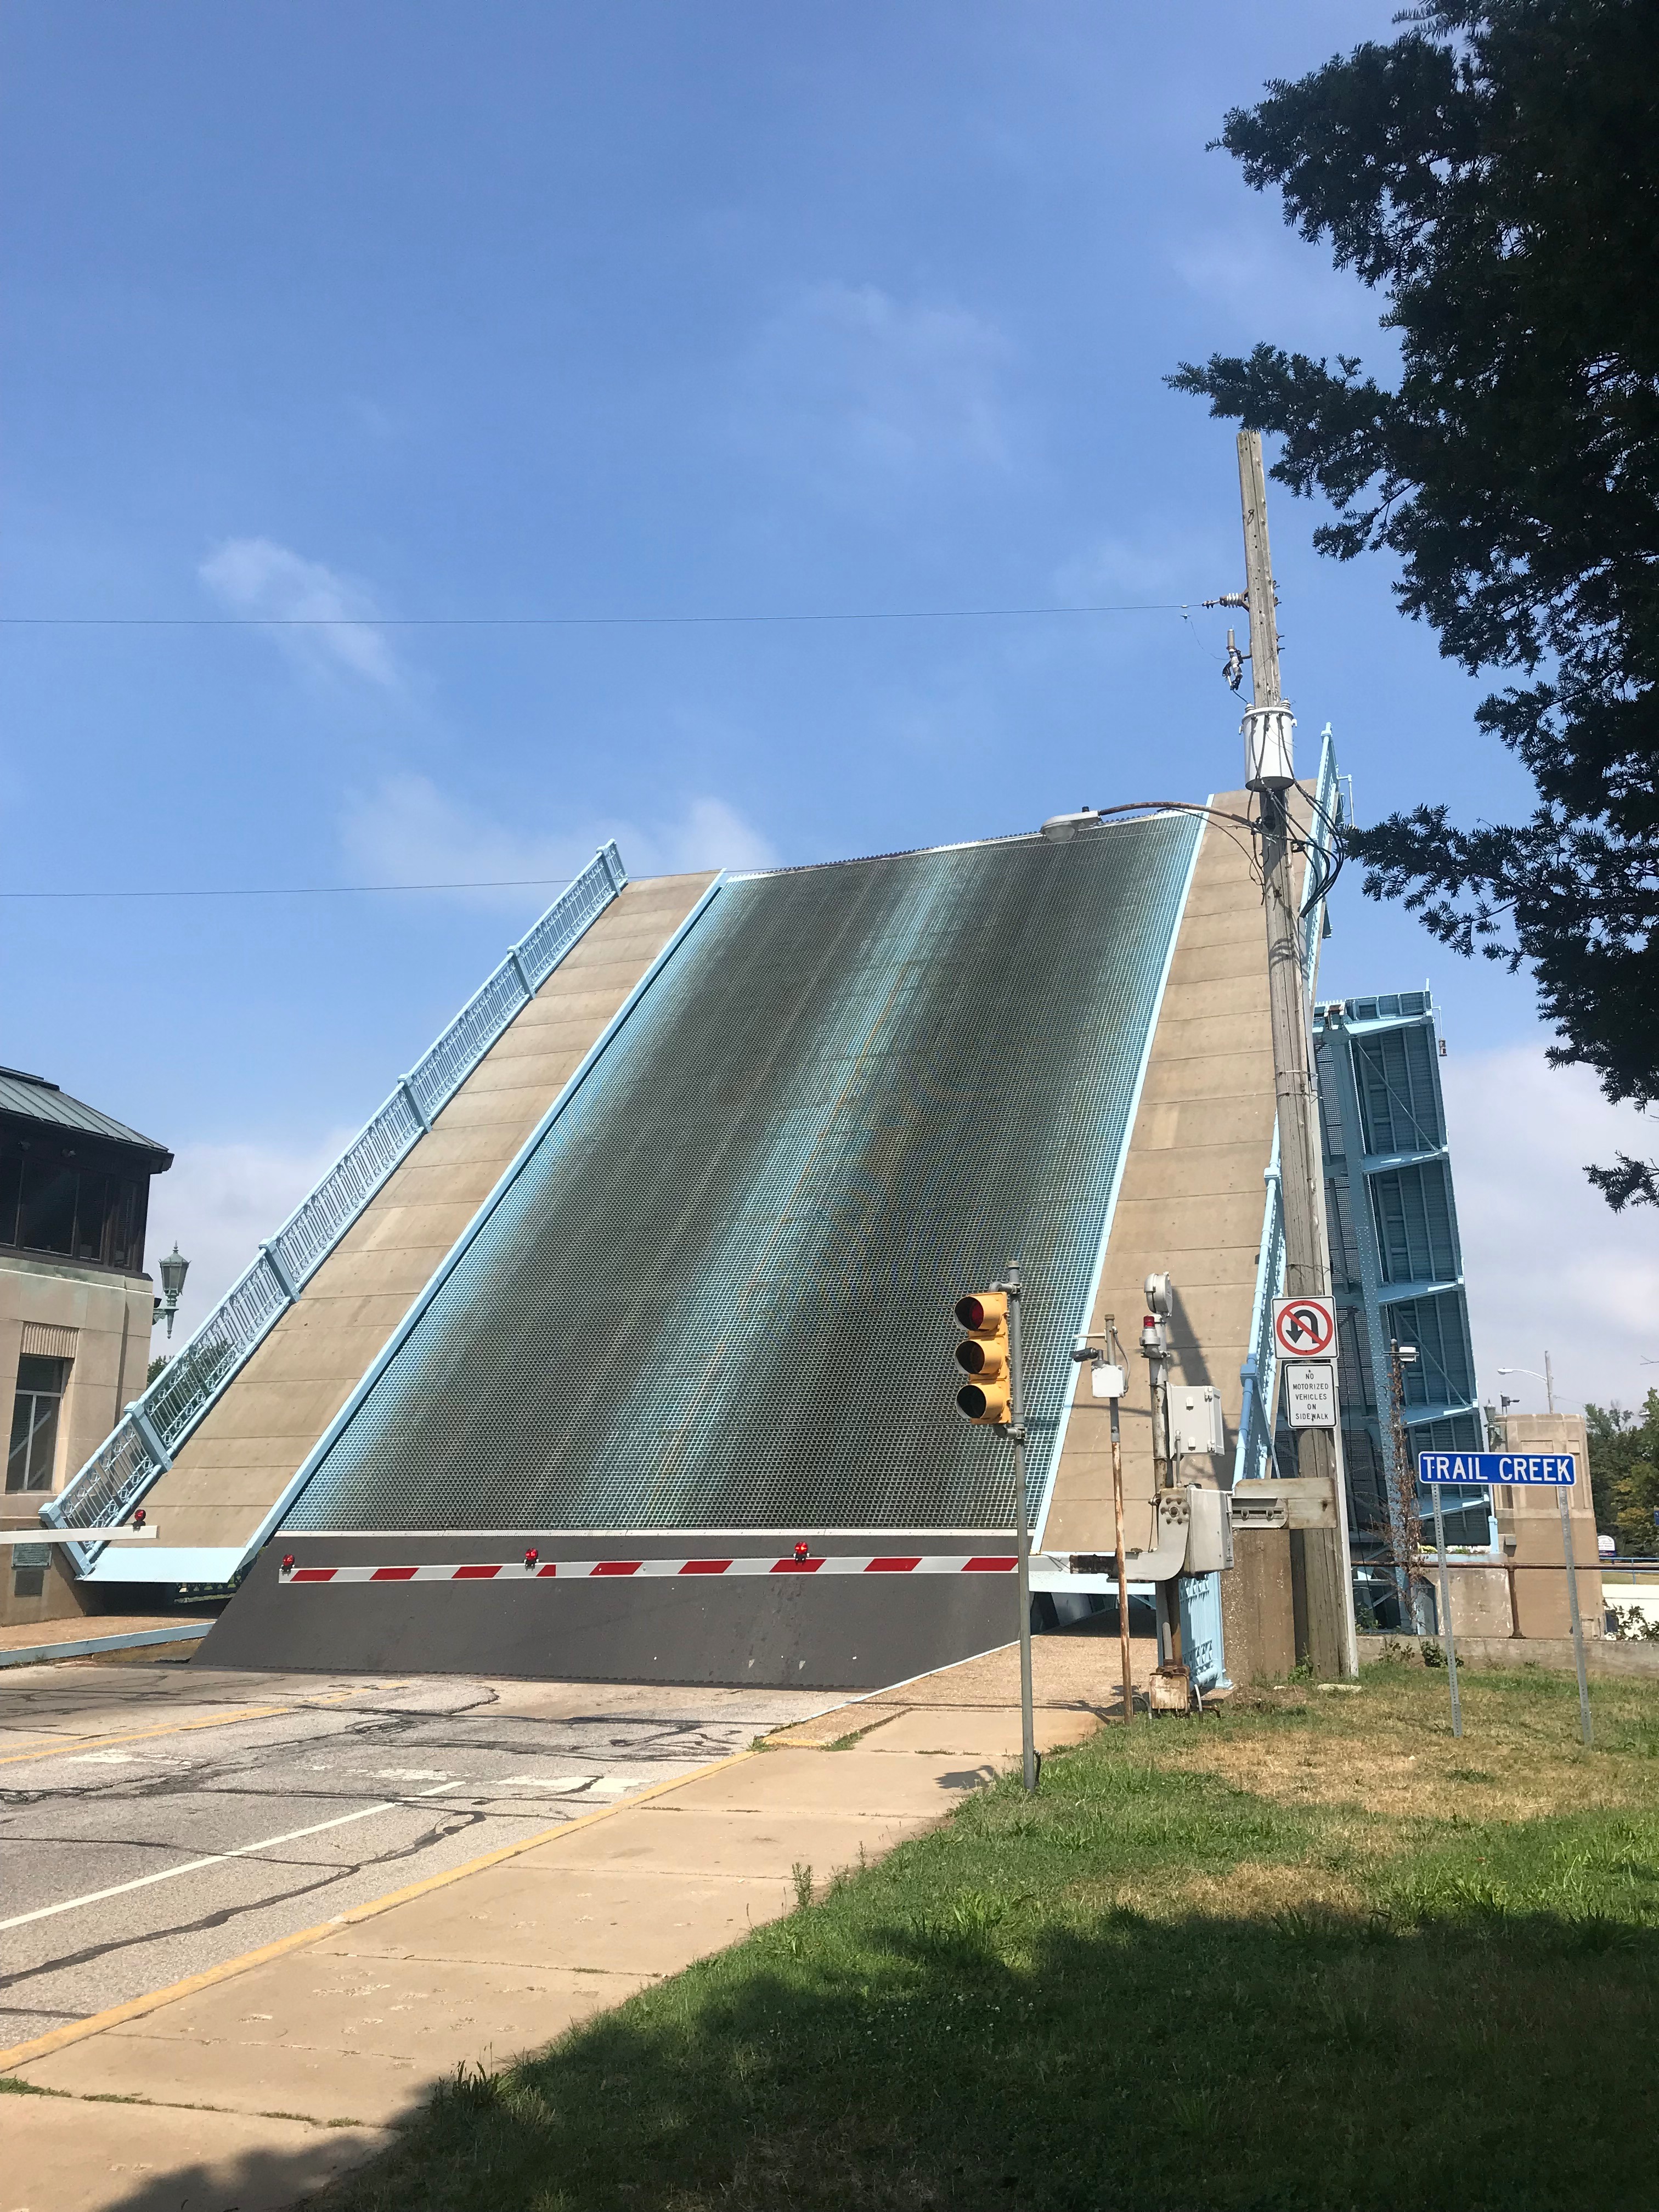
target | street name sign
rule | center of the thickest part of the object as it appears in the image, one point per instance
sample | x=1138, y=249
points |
x=1311, y=1394
x=1305, y=1329
x=1558, y=1469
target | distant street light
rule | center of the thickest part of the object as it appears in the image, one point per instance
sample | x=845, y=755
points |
x=174, y=1269
x=1547, y=1378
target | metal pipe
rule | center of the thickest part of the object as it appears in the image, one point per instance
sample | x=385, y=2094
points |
x=1023, y=1534
x=1116, y=1350
x=1446, y=1611
x=1572, y=1601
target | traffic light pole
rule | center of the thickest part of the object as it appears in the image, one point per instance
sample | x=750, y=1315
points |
x=1011, y=1283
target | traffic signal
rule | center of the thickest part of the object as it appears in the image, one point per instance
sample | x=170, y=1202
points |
x=983, y=1356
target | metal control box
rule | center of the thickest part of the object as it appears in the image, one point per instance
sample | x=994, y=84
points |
x=1195, y=1423
x=1209, y=1531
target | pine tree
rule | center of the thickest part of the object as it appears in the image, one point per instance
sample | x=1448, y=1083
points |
x=1494, y=174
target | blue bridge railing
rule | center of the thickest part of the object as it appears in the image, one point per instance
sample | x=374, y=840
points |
x=143, y=1442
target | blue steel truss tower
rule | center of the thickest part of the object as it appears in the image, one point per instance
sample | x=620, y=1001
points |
x=1396, y=1267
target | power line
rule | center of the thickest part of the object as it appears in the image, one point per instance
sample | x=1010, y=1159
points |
x=566, y=621
x=307, y=891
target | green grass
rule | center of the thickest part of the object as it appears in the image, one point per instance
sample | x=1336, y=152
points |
x=1312, y=1953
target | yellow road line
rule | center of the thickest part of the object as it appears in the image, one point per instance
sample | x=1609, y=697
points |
x=57, y=2039
x=180, y=1728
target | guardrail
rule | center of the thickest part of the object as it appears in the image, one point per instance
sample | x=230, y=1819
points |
x=141, y=1446
x=1259, y=1372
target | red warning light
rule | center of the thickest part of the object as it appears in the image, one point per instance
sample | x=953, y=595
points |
x=532, y=1556
x=287, y=1563
x=139, y=1517
x=803, y=1550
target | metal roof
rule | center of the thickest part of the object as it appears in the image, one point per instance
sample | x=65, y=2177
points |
x=33, y=1098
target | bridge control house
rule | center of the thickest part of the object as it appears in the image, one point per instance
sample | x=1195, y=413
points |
x=76, y=1308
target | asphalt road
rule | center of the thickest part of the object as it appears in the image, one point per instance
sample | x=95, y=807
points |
x=159, y=1819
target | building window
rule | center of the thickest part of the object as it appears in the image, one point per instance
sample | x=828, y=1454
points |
x=35, y=1422
x=73, y=1200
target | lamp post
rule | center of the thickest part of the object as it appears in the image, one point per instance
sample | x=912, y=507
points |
x=1547, y=1378
x=173, y=1271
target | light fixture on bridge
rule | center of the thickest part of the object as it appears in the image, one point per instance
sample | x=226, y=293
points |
x=173, y=1271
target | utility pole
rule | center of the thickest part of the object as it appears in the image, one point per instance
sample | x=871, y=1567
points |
x=1270, y=774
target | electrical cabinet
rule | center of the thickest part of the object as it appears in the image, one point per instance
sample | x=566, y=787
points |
x=1195, y=1420
x=1209, y=1531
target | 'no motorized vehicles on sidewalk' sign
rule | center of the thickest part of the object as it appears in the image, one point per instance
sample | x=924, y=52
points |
x=1311, y=1394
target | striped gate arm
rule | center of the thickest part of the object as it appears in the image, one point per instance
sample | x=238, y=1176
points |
x=141, y=1446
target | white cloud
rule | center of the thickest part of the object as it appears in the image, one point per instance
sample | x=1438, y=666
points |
x=1269, y=284
x=708, y=835
x=323, y=619
x=1112, y=569
x=406, y=830
x=1548, y=1264
x=215, y=1202
x=850, y=384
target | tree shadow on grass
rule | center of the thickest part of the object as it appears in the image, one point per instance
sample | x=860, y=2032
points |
x=985, y=2054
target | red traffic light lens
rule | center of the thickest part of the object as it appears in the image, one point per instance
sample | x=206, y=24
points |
x=970, y=1312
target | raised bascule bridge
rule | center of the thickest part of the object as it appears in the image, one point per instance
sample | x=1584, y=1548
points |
x=619, y=1346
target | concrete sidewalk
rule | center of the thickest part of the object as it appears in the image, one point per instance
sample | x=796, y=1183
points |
x=273, y=2073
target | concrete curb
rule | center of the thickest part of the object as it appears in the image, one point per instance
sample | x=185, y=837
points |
x=37, y=1655
x=1554, y=1653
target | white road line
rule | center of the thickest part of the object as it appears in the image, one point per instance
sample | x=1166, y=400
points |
x=217, y=1859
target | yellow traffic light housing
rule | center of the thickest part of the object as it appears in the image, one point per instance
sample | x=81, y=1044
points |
x=984, y=1357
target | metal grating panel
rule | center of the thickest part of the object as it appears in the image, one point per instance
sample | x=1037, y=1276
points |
x=1399, y=1090
x=717, y=1292
x=1415, y=1229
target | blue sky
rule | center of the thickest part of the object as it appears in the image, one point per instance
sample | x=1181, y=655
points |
x=426, y=310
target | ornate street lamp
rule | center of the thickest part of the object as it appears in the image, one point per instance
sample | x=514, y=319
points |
x=174, y=1269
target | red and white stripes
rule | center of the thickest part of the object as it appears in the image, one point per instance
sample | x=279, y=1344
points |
x=534, y=1568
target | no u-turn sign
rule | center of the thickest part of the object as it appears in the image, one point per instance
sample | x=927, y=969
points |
x=1305, y=1329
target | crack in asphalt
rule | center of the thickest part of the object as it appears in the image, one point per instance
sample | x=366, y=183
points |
x=309, y=1755
x=223, y=1917
x=670, y=1742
